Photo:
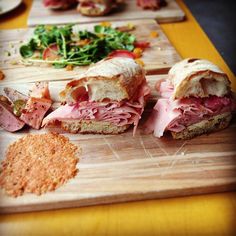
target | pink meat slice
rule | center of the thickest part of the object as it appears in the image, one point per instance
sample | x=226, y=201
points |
x=34, y=111
x=59, y=3
x=149, y=4
x=8, y=120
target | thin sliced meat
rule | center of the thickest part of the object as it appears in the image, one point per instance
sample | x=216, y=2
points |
x=164, y=112
x=8, y=120
x=165, y=88
x=40, y=90
x=149, y=4
x=13, y=95
x=34, y=111
x=93, y=110
x=59, y=4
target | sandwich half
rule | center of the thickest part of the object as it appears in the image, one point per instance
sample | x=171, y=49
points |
x=196, y=98
x=95, y=7
x=108, y=98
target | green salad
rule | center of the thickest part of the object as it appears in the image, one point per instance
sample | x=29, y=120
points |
x=60, y=46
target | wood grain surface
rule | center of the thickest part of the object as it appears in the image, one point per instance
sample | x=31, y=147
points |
x=40, y=15
x=157, y=59
x=120, y=168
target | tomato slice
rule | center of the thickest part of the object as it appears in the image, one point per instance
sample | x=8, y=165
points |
x=51, y=52
x=122, y=53
x=141, y=44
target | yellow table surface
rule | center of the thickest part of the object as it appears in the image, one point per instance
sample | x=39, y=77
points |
x=213, y=214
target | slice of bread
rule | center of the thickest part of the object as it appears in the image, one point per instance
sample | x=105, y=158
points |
x=215, y=123
x=198, y=78
x=92, y=127
x=114, y=79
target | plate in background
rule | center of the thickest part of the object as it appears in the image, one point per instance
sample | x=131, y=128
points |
x=6, y=6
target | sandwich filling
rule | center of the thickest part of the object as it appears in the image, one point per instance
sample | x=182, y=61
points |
x=59, y=4
x=92, y=4
x=118, y=113
x=175, y=115
x=151, y=4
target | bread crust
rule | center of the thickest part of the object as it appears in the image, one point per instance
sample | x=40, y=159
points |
x=197, y=77
x=215, y=123
x=92, y=127
x=124, y=74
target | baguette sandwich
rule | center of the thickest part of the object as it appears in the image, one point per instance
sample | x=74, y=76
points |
x=195, y=99
x=108, y=98
x=95, y=7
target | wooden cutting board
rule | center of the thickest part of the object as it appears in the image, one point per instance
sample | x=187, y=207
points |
x=40, y=15
x=157, y=59
x=122, y=168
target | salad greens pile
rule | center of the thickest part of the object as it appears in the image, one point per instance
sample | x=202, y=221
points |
x=60, y=46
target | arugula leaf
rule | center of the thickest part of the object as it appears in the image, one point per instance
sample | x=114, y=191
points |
x=59, y=65
x=99, y=29
x=39, y=29
x=86, y=35
x=26, y=51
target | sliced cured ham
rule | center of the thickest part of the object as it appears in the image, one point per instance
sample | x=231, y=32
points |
x=151, y=4
x=59, y=4
x=34, y=111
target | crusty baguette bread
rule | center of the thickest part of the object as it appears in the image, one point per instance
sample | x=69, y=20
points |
x=114, y=78
x=197, y=77
x=215, y=123
x=92, y=126
x=102, y=7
